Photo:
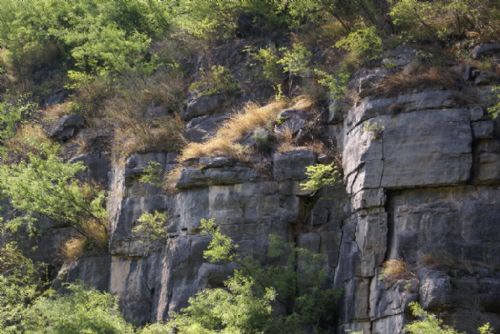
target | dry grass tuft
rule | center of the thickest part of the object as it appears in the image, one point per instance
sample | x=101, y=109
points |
x=73, y=248
x=135, y=130
x=141, y=135
x=394, y=270
x=171, y=179
x=56, y=111
x=253, y=116
x=401, y=81
x=96, y=233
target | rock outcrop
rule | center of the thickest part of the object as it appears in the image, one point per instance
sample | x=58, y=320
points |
x=421, y=185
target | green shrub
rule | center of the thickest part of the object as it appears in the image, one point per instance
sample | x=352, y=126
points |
x=217, y=80
x=363, y=43
x=151, y=225
x=245, y=305
x=79, y=310
x=431, y=324
x=295, y=60
x=12, y=114
x=152, y=174
x=20, y=284
x=47, y=185
x=320, y=175
x=335, y=84
x=421, y=20
x=91, y=37
x=494, y=110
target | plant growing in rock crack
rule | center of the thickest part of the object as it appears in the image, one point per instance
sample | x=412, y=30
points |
x=152, y=174
x=246, y=303
x=494, y=110
x=151, y=225
x=321, y=175
x=376, y=129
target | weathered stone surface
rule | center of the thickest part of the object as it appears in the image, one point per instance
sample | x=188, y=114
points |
x=93, y=271
x=292, y=165
x=369, y=108
x=484, y=49
x=427, y=148
x=98, y=167
x=201, y=128
x=66, y=127
x=192, y=177
x=488, y=161
x=202, y=106
x=483, y=129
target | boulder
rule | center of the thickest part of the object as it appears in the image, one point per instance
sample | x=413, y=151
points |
x=485, y=49
x=66, y=127
x=202, y=105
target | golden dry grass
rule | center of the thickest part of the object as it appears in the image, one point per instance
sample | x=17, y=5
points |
x=137, y=132
x=395, y=269
x=253, y=116
x=56, y=111
x=73, y=248
x=401, y=81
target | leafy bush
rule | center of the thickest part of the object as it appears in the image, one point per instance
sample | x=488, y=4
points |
x=494, y=110
x=320, y=175
x=420, y=20
x=245, y=305
x=47, y=185
x=79, y=310
x=431, y=324
x=90, y=37
x=363, y=43
x=295, y=60
x=335, y=84
x=151, y=225
x=12, y=114
x=20, y=284
x=217, y=80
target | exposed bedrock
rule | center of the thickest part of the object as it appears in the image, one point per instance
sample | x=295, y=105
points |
x=421, y=185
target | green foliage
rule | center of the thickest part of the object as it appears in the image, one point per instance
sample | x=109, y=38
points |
x=88, y=36
x=268, y=59
x=335, y=84
x=429, y=323
x=47, y=185
x=19, y=286
x=12, y=114
x=320, y=175
x=363, y=43
x=79, y=310
x=421, y=20
x=494, y=110
x=221, y=247
x=295, y=60
x=152, y=174
x=245, y=305
x=151, y=225
x=217, y=80
x=486, y=329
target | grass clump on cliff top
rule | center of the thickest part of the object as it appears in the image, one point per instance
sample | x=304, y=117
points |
x=226, y=140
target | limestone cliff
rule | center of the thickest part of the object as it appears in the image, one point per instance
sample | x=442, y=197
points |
x=421, y=184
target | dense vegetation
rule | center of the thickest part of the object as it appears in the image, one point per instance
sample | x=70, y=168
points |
x=114, y=60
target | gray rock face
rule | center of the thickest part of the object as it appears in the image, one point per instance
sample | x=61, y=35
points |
x=201, y=128
x=202, y=106
x=421, y=185
x=484, y=49
x=66, y=127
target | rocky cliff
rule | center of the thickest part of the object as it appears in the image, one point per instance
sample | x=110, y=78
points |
x=421, y=185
